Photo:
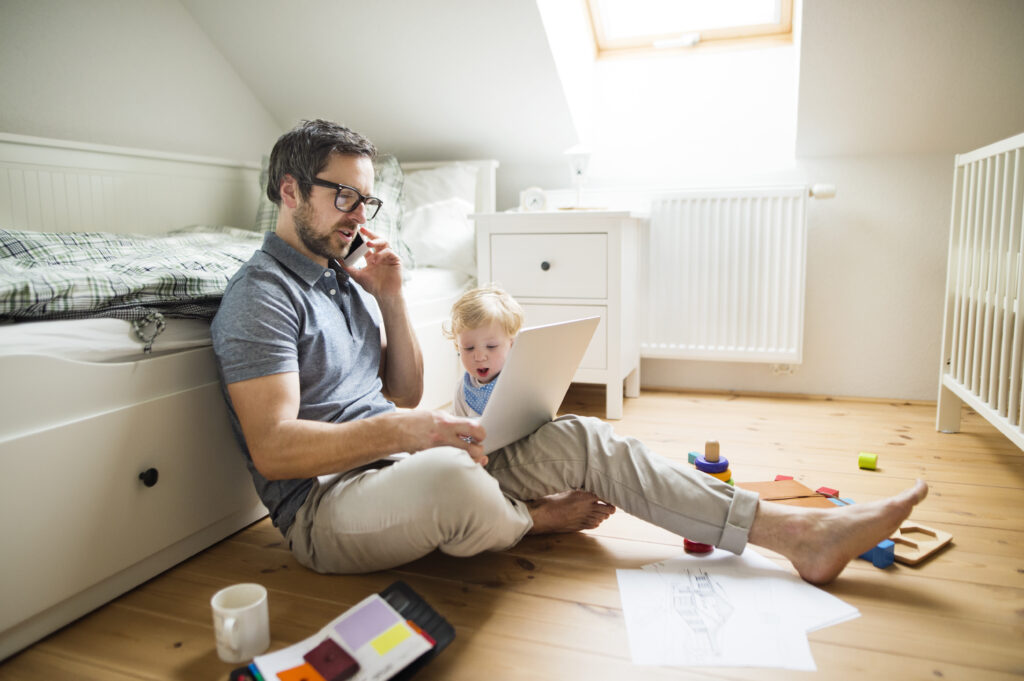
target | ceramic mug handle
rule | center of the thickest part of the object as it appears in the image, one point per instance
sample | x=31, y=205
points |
x=230, y=631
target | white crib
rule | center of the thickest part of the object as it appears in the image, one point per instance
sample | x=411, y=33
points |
x=983, y=330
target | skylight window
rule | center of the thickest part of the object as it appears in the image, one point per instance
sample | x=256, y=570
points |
x=630, y=26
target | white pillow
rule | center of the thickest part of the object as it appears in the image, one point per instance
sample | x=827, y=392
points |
x=456, y=180
x=440, y=235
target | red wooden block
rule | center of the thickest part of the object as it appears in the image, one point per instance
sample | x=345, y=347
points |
x=827, y=491
x=696, y=546
x=783, y=477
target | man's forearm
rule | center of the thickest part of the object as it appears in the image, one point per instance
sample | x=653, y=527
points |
x=403, y=360
x=295, y=448
x=298, y=448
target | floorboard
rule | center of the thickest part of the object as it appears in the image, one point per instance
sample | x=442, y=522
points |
x=549, y=608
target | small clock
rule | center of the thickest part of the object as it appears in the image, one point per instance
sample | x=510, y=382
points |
x=532, y=199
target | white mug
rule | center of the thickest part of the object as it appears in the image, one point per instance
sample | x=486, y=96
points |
x=241, y=622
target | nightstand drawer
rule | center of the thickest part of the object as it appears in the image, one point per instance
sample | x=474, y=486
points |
x=551, y=265
x=596, y=356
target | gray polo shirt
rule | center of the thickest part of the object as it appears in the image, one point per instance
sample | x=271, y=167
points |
x=281, y=313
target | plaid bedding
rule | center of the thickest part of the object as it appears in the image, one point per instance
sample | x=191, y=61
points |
x=128, y=276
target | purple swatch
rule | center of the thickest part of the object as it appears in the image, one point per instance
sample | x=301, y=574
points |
x=366, y=623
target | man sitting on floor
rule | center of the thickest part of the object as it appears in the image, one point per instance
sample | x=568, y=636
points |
x=315, y=356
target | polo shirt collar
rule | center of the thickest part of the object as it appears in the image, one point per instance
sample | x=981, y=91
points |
x=304, y=268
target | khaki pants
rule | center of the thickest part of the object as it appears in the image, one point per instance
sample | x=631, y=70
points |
x=389, y=514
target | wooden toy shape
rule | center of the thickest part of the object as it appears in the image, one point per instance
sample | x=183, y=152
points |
x=705, y=466
x=827, y=491
x=783, y=477
x=711, y=450
x=915, y=542
x=867, y=460
x=882, y=554
x=711, y=464
x=788, y=492
x=691, y=457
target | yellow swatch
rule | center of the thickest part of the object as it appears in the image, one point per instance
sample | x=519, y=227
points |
x=390, y=638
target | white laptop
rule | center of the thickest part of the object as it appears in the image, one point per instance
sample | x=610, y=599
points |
x=534, y=380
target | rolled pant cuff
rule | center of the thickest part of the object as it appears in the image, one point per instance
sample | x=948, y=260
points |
x=737, y=524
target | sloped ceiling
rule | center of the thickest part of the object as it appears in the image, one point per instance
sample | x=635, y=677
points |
x=423, y=80
x=913, y=76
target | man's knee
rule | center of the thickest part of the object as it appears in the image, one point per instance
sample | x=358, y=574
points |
x=456, y=481
x=576, y=432
x=471, y=511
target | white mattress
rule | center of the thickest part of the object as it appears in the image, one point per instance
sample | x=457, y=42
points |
x=431, y=282
x=98, y=340
x=429, y=293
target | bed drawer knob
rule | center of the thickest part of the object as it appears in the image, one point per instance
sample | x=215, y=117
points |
x=149, y=476
x=545, y=266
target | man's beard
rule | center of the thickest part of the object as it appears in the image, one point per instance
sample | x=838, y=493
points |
x=320, y=244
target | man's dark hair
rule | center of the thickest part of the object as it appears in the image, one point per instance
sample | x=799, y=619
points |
x=305, y=150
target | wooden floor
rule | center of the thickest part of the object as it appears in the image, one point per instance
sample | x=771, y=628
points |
x=550, y=608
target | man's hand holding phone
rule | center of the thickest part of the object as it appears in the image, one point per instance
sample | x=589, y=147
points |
x=382, y=275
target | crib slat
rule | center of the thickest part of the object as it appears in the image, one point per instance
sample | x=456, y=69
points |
x=966, y=259
x=980, y=292
x=970, y=292
x=998, y=367
x=956, y=273
x=985, y=283
x=1015, y=408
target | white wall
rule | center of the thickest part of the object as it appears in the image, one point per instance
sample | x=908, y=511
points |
x=876, y=262
x=133, y=73
x=888, y=93
x=909, y=77
x=426, y=81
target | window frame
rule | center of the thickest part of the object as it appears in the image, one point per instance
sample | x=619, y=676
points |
x=753, y=35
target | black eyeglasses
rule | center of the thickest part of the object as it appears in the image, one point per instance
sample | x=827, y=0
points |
x=348, y=198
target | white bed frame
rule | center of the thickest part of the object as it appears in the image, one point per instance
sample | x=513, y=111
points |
x=80, y=526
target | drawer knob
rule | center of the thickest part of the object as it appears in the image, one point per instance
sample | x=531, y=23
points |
x=545, y=266
x=149, y=476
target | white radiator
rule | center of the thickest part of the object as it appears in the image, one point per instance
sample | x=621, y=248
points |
x=983, y=331
x=724, y=274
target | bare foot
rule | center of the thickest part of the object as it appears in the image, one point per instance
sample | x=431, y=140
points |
x=821, y=542
x=568, y=512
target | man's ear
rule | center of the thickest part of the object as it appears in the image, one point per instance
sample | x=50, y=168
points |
x=290, y=191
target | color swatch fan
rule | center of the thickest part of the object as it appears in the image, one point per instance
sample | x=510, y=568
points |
x=389, y=635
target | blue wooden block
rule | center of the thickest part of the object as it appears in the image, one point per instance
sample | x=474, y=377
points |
x=692, y=456
x=835, y=501
x=883, y=555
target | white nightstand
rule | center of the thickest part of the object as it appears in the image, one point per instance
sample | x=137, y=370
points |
x=569, y=264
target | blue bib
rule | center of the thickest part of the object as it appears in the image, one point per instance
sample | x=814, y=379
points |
x=477, y=396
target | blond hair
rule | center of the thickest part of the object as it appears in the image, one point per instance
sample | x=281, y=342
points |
x=481, y=306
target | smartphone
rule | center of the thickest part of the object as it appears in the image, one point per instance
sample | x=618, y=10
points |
x=356, y=250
